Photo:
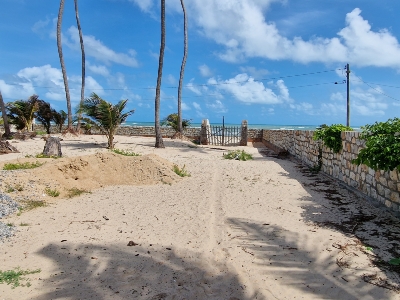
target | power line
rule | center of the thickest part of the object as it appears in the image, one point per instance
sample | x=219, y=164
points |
x=380, y=92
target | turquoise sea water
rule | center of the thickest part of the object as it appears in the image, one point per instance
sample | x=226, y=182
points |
x=252, y=126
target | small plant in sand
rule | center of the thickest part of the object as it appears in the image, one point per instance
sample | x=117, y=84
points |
x=125, y=152
x=181, y=172
x=52, y=193
x=32, y=204
x=76, y=192
x=19, y=166
x=238, y=155
x=13, y=277
x=42, y=155
x=24, y=224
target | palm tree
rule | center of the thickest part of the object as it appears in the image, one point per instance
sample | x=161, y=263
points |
x=63, y=70
x=78, y=23
x=105, y=116
x=21, y=113
x=59, y=118
x=180, y=129
x=159, y=139
x=7, y=131
x=45, y=114
x=172, y=120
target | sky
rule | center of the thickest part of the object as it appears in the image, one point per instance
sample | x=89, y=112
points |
x=280, y=62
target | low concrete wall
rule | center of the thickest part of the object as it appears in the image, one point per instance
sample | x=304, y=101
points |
x=380, y=186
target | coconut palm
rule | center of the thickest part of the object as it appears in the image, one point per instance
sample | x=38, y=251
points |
x=78, y=24
x=172, y=121
x=159, y=139
x=185, y=51
x=59, y=117
x=105, y=116
x=45, y=115
x=63, y=70
x=7, y=131
x=21, y=113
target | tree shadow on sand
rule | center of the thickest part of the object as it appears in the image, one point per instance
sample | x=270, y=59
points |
x=87, y=271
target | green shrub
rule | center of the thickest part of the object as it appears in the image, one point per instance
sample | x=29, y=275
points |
x=13, y=277
x=18, y=166
x=42, y=155
x=181, y=172
x=76, y=192
x=238, y=155
x=52, y=193
x=382, y=146
x=331, y=136
x=124, y=152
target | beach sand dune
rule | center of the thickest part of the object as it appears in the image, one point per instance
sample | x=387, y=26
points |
x=259, y=229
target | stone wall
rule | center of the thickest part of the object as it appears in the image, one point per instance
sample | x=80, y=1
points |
x=381, y=187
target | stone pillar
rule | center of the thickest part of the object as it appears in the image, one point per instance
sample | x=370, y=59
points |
x=205, y=128
x=243, y=137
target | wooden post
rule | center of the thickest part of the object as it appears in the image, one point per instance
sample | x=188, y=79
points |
x=244, y=133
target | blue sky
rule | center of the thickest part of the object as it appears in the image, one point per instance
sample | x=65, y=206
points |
x=267, y=61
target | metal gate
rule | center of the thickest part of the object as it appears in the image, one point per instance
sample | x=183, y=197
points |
x=224, y=136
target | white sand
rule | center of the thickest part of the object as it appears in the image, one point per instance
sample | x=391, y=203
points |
x=233, y=230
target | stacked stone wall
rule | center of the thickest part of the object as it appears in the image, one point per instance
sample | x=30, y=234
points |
x=382, y=187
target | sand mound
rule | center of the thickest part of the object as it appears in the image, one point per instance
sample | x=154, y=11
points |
x=90, y=172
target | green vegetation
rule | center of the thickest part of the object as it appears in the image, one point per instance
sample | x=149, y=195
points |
x=181, y=172
x=32, y=204
x=105, y=116
x=238, y=155
x=331, y=136
x=23, y=224
x=21, y=113
x=172, y=120
x=52, y=193
x=41, y=155
x=125, y=152
x=395, y=261
x=18, y=166
x=382, y=146
x=13, y=277
x=40, y=132
x=76, y=192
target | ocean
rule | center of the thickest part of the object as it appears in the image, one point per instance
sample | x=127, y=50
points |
x=250, y=126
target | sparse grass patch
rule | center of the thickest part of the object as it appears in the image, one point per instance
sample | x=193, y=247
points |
x=76, y=192
x=181, y=172
x=19, y=166
x=19, y=211
x=23, y=224
x=10, y=224
x=13, y=277
x=238, y=155
x=17, y=187
x=32, y=204
x=42, y=155
x=52, y=193
x=125, y=152
x=41, y=132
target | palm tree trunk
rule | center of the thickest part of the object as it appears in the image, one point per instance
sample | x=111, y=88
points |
x=7, y=131
x=63, y=70
x=78, y=23
x=159, y=139
x=180, y=128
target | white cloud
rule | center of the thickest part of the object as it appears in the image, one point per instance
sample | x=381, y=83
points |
x=144, y=5
x=337, y=97
x=95, y=48
x=245, y=89
x=171, y=79
x=243, y=29
x=16, y=91
x=217, y=106
x=254, y=72
x=193, y=88
x=184, y=106
x=196, y=105
x=98, y=69
x=205, y=71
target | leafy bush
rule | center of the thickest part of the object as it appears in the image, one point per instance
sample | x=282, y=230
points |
x=52, y=193
x=331, y=136
x=172, y=120
x=18, y=166
x=13, y=277
x=124, y=152
x=181, y=172
x=238, y=155
x=382, y=141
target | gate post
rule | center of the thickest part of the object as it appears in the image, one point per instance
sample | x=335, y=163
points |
x=205, y=128
x=243, y=136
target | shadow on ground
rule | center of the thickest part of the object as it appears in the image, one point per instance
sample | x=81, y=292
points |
x=88, y=271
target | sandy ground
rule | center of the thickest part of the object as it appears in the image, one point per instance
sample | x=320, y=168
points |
x=260, y=229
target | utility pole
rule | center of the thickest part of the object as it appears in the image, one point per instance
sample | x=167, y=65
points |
x=348, y=95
